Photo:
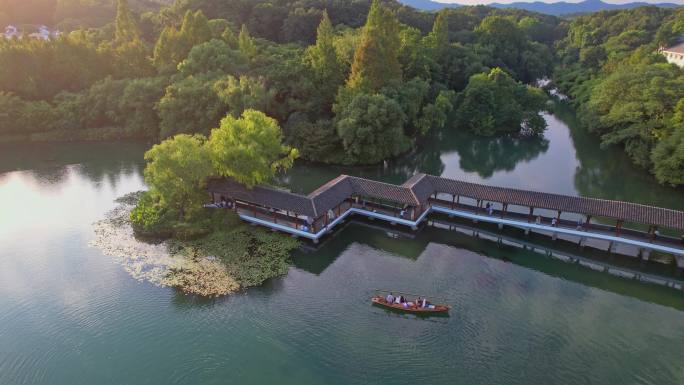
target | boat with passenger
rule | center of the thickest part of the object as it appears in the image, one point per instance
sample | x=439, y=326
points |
x=418, y=306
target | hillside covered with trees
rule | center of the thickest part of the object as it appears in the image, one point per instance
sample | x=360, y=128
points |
x=624, y=89
x=349, y=82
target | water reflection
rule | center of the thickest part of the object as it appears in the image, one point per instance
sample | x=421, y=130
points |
x=449, y=153
x=51, y=163
x=413, y=246
x=567, y=160
x=609, y=174
x=485, y=156
x=71, y=315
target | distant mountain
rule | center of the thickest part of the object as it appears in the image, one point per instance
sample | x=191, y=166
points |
x=557, y=9
x=428, y=5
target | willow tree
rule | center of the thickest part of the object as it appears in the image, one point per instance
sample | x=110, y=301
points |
x=250, y=149
x=376, y=60
x=176, y=171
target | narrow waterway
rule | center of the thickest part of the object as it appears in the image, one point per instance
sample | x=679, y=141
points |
x=71, y=315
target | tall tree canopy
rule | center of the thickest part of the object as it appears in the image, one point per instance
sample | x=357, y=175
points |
x=372, y=128
x=174, y=45
x=249, y=149
x=176, y=171
x=376, y=60
x=125, y=24
x=495, y=102
x=323, y=60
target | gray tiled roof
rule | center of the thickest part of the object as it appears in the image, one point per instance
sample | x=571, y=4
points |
x=264, y=196
x=421, y=186
x=418, y=189
x=631, y=212
x=381, y=190
x=331, y=194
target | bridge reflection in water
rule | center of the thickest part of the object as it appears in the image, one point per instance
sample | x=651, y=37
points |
x=636, y=229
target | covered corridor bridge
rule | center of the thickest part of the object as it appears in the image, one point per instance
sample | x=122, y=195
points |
x=313, y=215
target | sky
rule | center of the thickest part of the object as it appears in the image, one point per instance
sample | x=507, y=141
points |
x=473, y=2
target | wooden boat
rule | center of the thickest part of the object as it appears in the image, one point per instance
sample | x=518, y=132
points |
x=435, y=309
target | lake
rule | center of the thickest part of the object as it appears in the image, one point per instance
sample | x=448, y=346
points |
x=71, y=315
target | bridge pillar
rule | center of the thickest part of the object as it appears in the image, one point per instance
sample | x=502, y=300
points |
x=611, y=247
x=554, y=236
x=644, y=254
x=500, y=226
x=582, y=242
x=527, y=231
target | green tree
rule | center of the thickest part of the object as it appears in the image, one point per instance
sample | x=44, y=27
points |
x=249, y=149
x=494, y=102
x=215, y=56
x=176, y=171
x=371, y=128
x=323, y=60
x=246, y=43
x=632, y=107
x=190, y=106
x=136, y=106
x=434, y=115
x=668, y=155
x=438, y=40
x=229, y=37
x=244, y=94
x=411, y=96
x=195, y=29
x=174, y=45
x=168, y=51
x=127, y=29
x=376, y=60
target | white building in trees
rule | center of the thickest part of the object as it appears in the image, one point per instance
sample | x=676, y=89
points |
x=675, y=54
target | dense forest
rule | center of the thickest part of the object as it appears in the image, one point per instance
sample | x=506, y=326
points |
x=349, y=82
x=623, y=88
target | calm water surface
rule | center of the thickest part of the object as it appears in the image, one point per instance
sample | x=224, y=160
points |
x=70, y=315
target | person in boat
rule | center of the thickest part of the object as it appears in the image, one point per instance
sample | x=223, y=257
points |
x=389, y=298
x=425, y=303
